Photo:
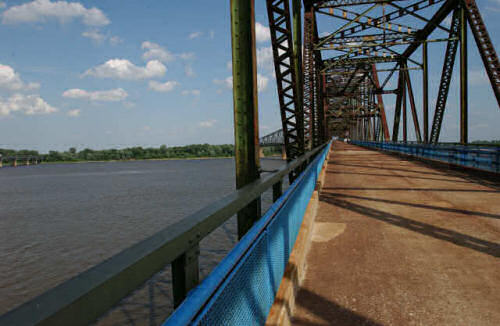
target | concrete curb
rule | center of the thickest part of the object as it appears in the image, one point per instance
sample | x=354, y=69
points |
x=284, y=303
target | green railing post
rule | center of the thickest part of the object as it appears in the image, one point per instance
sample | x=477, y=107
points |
x=246, y=134
x=277, y=190
x=185, y=274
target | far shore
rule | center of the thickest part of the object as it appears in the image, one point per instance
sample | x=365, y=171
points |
x=145, y=159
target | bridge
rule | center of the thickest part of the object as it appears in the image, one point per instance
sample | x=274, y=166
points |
x=386, y=227
x=20, y=160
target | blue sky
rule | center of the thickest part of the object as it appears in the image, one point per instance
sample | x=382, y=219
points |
x=104, y=74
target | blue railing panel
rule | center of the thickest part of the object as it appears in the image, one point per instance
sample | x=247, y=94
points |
x=482, y=158
x=241, y=289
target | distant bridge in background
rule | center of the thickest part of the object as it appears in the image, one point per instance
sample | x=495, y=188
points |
x=273, y=139
x=20, y=160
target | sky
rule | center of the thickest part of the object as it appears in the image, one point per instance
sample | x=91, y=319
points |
x=113, y=74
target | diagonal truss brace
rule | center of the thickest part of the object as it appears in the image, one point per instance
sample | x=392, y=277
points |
x=444, y=86
x=292, y=115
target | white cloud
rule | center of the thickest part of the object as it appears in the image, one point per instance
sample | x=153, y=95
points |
x=265, y=59
x=114, y=40
x=262, y=82
x=262, y=33
x=227, y=82
x=155, y=51
x=124, y=69
x=10, y=79
x=94, y=35
x=163, y=87
x=186, y=56
x=112, y=95
x=98, y=37
x=195, y=35
x=43, y=10
x=26, y=104
x=194, y=92
x=73, y=113
x=188, y=70
x=207, y=124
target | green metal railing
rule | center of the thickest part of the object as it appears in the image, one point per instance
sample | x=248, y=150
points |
x=87, y=296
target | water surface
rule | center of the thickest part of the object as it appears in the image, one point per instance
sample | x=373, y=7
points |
x=59, y=220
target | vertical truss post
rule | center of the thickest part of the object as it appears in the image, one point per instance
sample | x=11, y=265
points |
x=463, y=78
x=318, y=135
x=246, y=131
x=397, y=113
x=425, y=88
x=412, y=105
x=309, y=80
x=405, y=115
x=380, y=100
x=324, y=125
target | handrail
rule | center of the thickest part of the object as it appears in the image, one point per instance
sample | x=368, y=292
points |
x=85, y=297
x=476, y=157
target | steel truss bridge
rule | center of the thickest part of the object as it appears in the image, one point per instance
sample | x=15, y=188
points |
x=335, y=85
x=333, y=63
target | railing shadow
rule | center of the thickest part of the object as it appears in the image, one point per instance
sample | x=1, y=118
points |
x=413, y=189
x=460, y=239
x=399, y=176
x=395, y=202
x=330, y=312
x=378, y=167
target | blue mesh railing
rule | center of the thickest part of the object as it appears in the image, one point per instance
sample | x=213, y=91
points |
x=241, y=289
x=478, y=157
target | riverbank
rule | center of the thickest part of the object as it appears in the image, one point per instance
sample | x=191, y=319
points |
x=140, y=160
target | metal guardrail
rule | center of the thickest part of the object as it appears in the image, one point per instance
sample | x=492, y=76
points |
x=252, y=271
x=485, y=158
x=87, y=296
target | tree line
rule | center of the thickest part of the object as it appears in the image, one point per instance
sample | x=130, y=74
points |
x=131, y=153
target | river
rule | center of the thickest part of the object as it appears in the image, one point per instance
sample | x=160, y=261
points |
x=57, y=220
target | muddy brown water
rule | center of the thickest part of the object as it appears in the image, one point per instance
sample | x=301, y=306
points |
x=59, y=220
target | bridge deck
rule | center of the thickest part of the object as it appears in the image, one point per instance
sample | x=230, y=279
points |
x=397, y=242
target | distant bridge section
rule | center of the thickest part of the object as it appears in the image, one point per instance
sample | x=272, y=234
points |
x=273, y=139
x=20, y=160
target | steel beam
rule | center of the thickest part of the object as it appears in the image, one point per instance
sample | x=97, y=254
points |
x=413, y=107
x=464, y=131
x=380, y=98
x=292, y=114
x=397, y=113
x=444, y=86
x=425, y=90
x=405, y=109
x=246, y=131
x=485, y=46
x=297, y=50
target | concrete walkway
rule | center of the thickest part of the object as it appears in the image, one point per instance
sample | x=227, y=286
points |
x=397, y=242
